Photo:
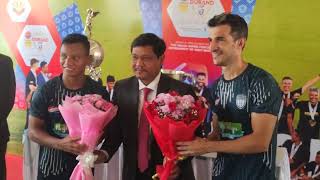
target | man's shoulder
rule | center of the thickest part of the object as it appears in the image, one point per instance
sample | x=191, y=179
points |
x=30, y=75
x=258, y=73
x=39, y=75
x=302, y=103
x=126, y=81
x=51, y=85
x=312, y=163
x=5, y=60
x=173, y=82
x=287, y=143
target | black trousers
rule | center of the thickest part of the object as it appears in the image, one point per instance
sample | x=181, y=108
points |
x=3, y=169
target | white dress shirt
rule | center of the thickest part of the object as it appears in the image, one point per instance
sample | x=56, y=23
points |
x=152, y=95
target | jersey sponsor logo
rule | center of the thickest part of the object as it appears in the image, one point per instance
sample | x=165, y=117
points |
x=231, y=130
x=241, y=101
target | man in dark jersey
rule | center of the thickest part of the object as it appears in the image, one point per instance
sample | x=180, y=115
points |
x=309, y=119
x=58, y=151
x=289, y=100
x=246, y=104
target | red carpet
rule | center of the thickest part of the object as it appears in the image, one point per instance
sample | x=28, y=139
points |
x=14, y=167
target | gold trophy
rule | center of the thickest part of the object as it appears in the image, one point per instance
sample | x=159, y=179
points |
x=96, y=50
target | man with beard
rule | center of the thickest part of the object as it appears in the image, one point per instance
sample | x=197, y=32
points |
x=246, y=104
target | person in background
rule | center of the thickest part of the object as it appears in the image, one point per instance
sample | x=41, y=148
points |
x=110, y=84
x=201, y=90
x=130, y=127
x=246, y=104
x=289, y=100
x=42, y=77
x=31, y=85
x=30, y=148
x=57, y=157
x=309, y=119
x=298, y=152
x=200, y=85
x=7, y=95
x=312, y=169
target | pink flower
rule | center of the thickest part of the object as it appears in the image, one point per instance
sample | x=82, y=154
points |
x=165, y=109
x=99, y=104
x=174, y=106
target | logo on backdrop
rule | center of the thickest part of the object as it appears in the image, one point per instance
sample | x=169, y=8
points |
x=18, y=10
x=36, y=42
x=190, y=17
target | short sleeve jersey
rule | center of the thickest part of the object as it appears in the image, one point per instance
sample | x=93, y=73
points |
x=44, y=106
x=254, y=90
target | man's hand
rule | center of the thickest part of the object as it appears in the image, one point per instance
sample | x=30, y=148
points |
x=291, y=161
x=71, y=145
x=102, y=157
x=32, y=87
x=288, y=102
x=192, y=148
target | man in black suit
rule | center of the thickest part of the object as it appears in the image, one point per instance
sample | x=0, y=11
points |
x=7, y=95
x=312, y=169
x=110, y=85
x=147, y=52
x=298, y=152
x=202, y=90
x=31, y=85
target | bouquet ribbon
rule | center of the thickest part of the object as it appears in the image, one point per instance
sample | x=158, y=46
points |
x=83, y=168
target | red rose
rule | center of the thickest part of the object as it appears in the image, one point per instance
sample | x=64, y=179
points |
x=172, y=106
x=174, y=93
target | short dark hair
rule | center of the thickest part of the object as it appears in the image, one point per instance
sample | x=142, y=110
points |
x=239, y=27
x=200, y=74
x=110, y=78
x=33, y=61
x=150, y=39
x=313, y=89
x=77, y=38
x=43, y=63
x=287, y=78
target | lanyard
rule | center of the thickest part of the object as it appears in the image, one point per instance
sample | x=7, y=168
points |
x=312, y=111
x=294, y=149
x=282, y=104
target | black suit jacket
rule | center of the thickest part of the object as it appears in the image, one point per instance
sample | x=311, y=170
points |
x=30, y=80
x=7, y=95
x=310, y=167
x=124, y=128
x=301, y=156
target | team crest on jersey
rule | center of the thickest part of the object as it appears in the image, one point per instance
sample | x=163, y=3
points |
x=241, y=101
